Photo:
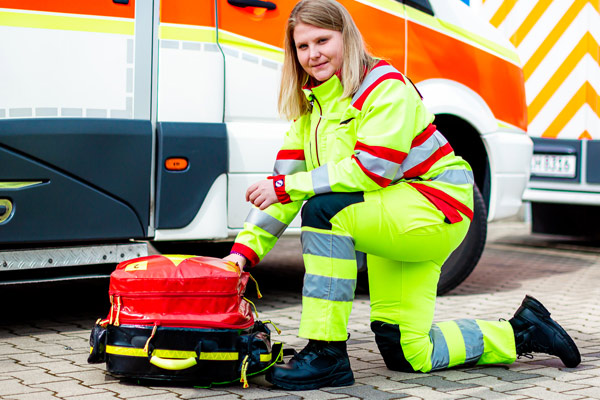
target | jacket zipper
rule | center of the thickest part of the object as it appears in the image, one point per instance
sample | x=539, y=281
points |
x=317, y=130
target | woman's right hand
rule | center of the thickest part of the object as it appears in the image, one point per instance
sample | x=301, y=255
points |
x=236, y=258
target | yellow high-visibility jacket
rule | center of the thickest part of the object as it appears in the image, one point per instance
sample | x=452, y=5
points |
x=381, y=136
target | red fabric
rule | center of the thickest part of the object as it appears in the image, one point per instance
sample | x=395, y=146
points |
x=391, y=75
x=199, y=292
x=424, y=166
x=382, y=152
x=380, y=180
x=290, y=155
x=423, y=136
x=246, y=252
x=444, y=202
x=279, y=186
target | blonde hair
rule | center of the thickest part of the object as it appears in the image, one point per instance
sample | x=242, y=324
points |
x=326, y=14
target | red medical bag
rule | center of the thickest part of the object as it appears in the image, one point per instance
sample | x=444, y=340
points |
x=181, y=318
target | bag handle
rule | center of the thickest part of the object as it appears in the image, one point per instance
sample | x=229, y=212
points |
x=172, y=363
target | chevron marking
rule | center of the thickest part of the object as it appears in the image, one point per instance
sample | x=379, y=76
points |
x=534, y=16
x=554, y=36
x=585, y=95
x=587, y=45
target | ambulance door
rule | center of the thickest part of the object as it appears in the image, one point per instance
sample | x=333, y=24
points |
x=75, y=131
x=251, y=37
x=191, y=137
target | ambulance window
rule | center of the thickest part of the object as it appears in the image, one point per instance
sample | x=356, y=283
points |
x=422, y=5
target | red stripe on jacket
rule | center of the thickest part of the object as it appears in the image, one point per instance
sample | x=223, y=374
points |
x=423, y=136
x=246, y=252
x=290, y=155
x=382, y=152
x=424, y=166
x=279, y=186
x=361, y=100
x=380, y=180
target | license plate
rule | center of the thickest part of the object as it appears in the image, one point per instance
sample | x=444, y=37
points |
x=553, y=165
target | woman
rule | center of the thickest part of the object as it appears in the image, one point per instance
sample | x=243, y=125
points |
x=378, y=178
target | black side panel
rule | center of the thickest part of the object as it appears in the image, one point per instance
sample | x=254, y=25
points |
x=180, y=194
x=96, y=174
x=59, y=208
x=593, y=161
x=565, y=219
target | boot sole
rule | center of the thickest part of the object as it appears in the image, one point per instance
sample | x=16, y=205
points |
x=534, y=306
x=335, y=380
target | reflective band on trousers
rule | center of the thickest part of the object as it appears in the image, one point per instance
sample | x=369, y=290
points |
x=440, y=358
x=371, y=78
x=328, y=288
x=421, y=153
x=379, y=166
x=266, y=222
x=473, y=339
x=455, y=176
x=328, y=245
x=473, y=342
x=320, y=180
x=288, y=167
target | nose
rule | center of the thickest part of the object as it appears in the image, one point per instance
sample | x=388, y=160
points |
x=314, y=52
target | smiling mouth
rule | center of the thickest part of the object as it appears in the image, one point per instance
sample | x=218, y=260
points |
x=319, y=65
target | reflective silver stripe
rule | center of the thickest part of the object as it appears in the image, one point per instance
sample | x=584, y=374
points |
x=266, y=222
x=328, y=245
x=375, y=74
x=455, y=176
x=287, y=167
x=379, y=166
x=440, y=358
x=421, y=153
x=320, y=180
x=328, y=288
x=473, y=338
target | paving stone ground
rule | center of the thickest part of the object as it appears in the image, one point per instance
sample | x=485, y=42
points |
x=44, y=332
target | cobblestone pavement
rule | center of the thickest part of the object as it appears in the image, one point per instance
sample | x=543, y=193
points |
x=44, y=332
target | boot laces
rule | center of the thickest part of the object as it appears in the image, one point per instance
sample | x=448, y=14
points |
x=529, y=345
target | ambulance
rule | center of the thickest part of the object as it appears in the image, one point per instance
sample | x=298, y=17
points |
x=558, y=44
x=124, y=121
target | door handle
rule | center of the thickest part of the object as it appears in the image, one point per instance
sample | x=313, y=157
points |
x=253, y=3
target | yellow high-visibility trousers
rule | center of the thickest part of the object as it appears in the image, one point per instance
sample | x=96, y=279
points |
x=406, y=241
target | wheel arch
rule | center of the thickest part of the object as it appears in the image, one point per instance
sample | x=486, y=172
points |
x=463, y=117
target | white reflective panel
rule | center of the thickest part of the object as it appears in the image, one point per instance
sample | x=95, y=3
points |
x=85, y=73
x=190, y=82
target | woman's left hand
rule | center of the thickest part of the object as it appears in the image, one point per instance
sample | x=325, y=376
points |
x=262, y=194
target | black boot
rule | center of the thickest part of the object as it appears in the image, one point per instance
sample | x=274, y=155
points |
x=536, y=332
x=319, y=364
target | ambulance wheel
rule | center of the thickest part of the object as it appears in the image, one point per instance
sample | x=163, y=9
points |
x=463, y=260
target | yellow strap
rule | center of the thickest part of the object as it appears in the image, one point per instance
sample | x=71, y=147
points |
x=244, y=377
x=110, y=319
x=173, y=354
x=150, y=338
x=256, y=283
x=118, y=310
x=253, y=306
x=273, y=325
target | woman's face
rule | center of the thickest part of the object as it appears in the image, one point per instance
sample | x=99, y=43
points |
x=320, y=51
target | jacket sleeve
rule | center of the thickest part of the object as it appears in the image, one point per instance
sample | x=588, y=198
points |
x=389, y=118
x=263, y=228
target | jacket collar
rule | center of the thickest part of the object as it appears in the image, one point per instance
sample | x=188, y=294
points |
x=324, y=91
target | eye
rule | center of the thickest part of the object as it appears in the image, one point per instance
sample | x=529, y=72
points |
x=301, y=46
x=323, y=40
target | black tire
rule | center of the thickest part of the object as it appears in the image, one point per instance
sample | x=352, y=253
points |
x=463, y=260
